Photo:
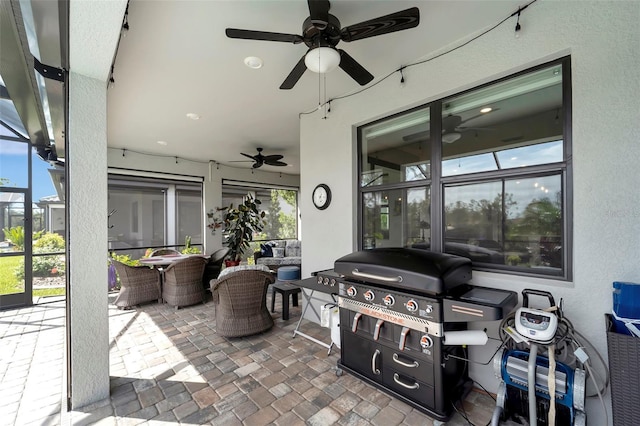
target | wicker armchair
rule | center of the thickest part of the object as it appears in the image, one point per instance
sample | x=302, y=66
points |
x=214, y=266
x=183, y=282
x=241, y=304
x=138, y=284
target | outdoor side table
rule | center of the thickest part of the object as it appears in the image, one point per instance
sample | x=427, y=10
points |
x=286, y=290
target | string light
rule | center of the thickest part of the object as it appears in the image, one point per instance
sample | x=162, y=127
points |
x=125, y=25
x=123, y=151
x=424, y=61
x=112, y=81
x=327, y=109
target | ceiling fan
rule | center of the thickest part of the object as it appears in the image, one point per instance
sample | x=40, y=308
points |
x=269, y=160
x=321, y=32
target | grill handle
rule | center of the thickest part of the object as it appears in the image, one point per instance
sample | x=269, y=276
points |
x=396, y=279
x=374, y=358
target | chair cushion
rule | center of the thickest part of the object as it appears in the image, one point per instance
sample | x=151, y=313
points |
x=278, y=252
x=293, y=248
x=231, y=269
x=266, y=250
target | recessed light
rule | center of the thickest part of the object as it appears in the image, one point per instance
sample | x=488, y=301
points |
x=163, y=143
x=193, y=116
x=486, y=110
x=253, y=62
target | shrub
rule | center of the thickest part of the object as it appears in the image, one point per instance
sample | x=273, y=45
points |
x=15, y=235
x=45, y=266
x=49, y=242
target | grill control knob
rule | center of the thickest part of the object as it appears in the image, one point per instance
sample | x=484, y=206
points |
x=412, y=305
x=429, y=309
x=351, y=291
x=425, y=341
x=332, y=282
x=369, y=295
x=389, y=300
x=319, y=279
x=325, y=281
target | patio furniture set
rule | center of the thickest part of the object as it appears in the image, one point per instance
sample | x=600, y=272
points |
x=238, y=293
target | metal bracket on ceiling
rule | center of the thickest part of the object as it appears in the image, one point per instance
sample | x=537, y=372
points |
x=48, y=71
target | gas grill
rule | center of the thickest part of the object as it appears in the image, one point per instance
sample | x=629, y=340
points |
x=398, y=309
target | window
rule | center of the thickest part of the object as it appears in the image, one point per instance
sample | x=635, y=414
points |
x=280, y=205
x=151, y=213
x=484, y=174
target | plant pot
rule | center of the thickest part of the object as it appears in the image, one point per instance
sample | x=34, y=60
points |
x=228, y=263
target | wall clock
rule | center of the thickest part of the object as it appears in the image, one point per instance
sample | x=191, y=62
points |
x=321, y=196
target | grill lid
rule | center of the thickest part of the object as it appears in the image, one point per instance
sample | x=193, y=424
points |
x=414, y=270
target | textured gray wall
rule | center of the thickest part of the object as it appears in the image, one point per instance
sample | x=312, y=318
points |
x=603, y=39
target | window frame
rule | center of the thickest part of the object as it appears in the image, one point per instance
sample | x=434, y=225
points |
x=437, y=183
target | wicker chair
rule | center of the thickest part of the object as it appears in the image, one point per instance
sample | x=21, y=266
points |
x=163, y=252
x=214, y=266
x=241, y=304
x=138, y=284
x=183, y=282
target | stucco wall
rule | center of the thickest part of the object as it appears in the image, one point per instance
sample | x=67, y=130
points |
x=603, y=39
x=87, y=299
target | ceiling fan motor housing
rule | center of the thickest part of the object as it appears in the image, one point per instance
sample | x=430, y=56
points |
x=317, y=35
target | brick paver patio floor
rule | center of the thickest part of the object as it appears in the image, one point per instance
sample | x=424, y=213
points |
x=170, y=367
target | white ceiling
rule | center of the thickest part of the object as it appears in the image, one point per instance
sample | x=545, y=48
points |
x=176, y=59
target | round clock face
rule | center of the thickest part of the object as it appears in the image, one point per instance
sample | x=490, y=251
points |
x=321, y=196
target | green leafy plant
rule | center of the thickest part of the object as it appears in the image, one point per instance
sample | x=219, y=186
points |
x=45, y=266
x=241, y=223
x=48, y=242
x=187, y=247
x=114, y=279
x=15, y=235
x=125, y=258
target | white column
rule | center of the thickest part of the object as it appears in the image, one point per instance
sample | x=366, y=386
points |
x=86, y=160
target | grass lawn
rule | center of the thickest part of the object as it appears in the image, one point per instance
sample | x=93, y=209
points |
x=10, y=284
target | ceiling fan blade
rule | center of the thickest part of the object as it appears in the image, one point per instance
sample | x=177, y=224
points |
x=263, y=35
x=294, y=75
x=274, y=157
x=257, y=164
x=274, y=163
x=450, y=122
x=398, y=21
x=354, y=69
x=248, y=156
x=319, y=12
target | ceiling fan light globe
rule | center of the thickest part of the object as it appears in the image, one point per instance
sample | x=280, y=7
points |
x=322, y=59
x=451, y=137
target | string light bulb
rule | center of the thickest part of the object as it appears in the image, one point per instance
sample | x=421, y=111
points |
x=518, y=27
x=401, y=77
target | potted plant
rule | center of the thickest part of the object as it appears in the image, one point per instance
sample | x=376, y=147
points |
x=241, y=223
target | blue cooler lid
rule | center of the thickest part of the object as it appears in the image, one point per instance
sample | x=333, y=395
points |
x=626, y=299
